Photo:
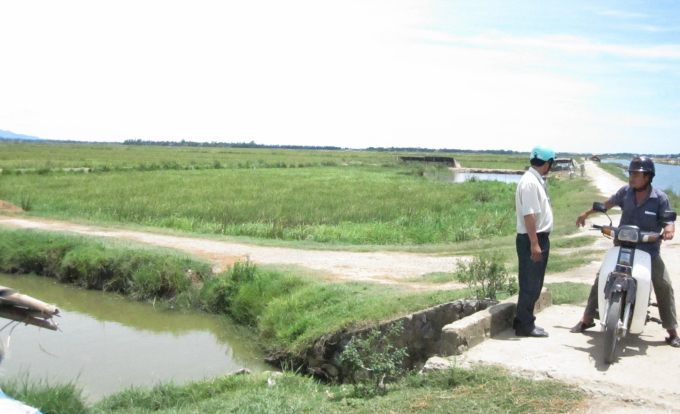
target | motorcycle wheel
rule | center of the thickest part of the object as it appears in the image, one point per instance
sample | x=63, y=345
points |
x=611, y=333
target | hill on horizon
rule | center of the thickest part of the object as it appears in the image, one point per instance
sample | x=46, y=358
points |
x=12, y=135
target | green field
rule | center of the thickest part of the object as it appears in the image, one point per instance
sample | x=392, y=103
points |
x=311, y=199
x=338, y=198
x=23, y=155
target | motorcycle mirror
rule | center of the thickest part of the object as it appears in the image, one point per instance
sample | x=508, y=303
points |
x=600, y=207
x=669, y=216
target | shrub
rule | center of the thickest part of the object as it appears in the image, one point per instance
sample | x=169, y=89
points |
x=486, y=275
x=372, y=361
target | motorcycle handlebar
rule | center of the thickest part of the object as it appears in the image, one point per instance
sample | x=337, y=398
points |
x=644, y=237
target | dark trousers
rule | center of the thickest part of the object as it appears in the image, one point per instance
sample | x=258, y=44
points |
x=530, y=277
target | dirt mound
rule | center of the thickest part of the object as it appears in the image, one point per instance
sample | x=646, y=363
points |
x=6, y=207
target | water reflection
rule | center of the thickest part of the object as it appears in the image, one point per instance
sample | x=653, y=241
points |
x=109, y=343
x=461, y=177
x=666, y=177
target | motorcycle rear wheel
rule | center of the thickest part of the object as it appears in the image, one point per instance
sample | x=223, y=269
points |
x=611, y=333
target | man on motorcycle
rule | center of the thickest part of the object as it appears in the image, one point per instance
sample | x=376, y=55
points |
x=534, y=224
x=641, y=206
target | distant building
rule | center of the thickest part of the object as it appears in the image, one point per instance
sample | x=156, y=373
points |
x=594, y=158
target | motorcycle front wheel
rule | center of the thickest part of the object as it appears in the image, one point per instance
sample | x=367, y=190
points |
x=611, y=332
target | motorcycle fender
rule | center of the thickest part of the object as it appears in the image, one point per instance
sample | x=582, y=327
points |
x=642, y=273
x=608, y=266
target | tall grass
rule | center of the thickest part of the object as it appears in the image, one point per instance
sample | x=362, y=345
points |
x=337, y=205
x=480, y=389
x=93, y=264
x=290, y=312
x=48, y=398
x=616, y=169
x=36, y=155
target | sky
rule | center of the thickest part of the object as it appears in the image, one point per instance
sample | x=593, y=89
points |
x=579, y=76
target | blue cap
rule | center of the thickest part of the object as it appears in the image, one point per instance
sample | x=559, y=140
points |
x=542, y=153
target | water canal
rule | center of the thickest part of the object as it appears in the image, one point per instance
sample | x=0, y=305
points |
x=109, y=343
x=667, y=176
x=461, y=177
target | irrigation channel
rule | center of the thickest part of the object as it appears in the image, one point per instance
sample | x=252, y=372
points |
x=108, y=343
x=667, y=176
x=461, y=177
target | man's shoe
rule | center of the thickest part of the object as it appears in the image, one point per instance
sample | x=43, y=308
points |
x=536, y=333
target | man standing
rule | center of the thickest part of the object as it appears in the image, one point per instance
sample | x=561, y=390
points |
x=534, y=224
x=641, y=205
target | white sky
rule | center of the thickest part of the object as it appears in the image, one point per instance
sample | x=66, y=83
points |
x=484, y=74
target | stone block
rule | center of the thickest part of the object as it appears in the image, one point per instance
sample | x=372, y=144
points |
x=461, y=335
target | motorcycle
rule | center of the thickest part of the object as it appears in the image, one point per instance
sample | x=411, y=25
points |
x=625, y=282
x=23, y=309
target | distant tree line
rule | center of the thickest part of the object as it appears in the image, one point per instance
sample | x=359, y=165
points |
x=251, y=144
x=418, y=149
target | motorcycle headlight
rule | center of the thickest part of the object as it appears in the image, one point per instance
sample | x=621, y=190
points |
x=629, y=235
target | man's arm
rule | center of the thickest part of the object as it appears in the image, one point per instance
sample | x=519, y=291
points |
x=581, y=219
x=530, y=223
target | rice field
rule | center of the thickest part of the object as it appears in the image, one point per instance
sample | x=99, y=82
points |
x=329, y=197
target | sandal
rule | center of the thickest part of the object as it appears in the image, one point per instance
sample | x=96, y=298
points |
x=674, y=341
x=580, y=327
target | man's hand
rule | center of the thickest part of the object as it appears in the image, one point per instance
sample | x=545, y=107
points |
x=668, y=232
x=581, y=219
x=536, y=252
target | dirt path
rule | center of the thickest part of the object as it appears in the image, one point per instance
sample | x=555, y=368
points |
x=380, y=267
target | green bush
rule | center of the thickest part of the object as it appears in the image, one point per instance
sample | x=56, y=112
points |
x=486, y=275
x=369, y=363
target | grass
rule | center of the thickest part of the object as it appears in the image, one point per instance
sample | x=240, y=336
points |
x=616, y=169
x=35, y=155
x=339, y=206
x=142, y=273
x=569, y=293
x=328, y=205
x=572, y=242
x=481, y=389
x=434, y=277
x=50, y=398
x=290, y=312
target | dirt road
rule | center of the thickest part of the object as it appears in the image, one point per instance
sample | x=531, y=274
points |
x=380, y=267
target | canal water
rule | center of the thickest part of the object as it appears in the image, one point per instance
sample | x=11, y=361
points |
x=108, y=343
x=667, y=176
x=460, y=177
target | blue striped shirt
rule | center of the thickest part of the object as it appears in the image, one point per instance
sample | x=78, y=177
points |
x=646, y=216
